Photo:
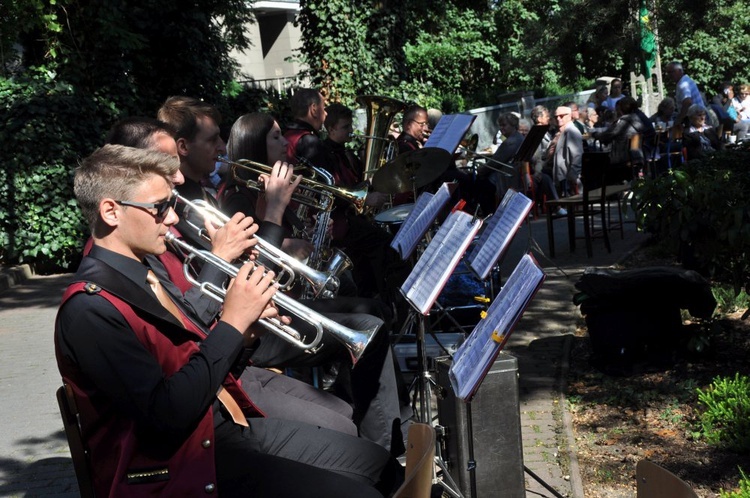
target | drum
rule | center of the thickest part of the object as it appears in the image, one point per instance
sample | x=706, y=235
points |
x=394, y=216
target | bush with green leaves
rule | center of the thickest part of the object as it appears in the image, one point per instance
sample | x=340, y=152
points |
x=46, y=128
x=725, y=417
x=743, y=490
x=701, y=212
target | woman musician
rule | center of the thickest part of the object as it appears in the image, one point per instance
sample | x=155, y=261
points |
x=372, y=387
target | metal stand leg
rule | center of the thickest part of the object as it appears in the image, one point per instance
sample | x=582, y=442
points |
x=533, y=245
x=422, y=384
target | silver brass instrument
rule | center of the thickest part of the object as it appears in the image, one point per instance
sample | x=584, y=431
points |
x=380, y=114
x=318, y=281
x=334, y=260
x=355, y=340
x=308, y=190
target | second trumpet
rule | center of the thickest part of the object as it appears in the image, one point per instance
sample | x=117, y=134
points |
x=289, y=267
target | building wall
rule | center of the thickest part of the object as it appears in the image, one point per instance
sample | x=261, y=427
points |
x=274, y=38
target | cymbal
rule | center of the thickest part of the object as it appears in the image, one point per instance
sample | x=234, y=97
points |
x=411, y=170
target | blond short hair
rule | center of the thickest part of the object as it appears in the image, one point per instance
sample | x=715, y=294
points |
x=116, y=171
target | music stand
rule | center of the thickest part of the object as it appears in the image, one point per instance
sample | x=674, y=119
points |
x=525, y=153
x=531, y=143
x=421, y=289
x=414, y=227
x=498, y=233
x=475, y=356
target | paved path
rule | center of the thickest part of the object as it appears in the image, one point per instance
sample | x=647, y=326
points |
x=34, y=458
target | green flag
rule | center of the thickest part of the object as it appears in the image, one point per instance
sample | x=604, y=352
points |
x=648, y=41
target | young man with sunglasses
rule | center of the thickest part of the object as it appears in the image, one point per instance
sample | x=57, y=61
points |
x=160, y=411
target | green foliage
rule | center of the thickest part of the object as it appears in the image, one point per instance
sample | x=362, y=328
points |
x=728, y=300
x=715, y=49
x=46, y=128
x=742, y=492
x=701, y=212
x=351, y=49
x=725, y=419
x=82, y=66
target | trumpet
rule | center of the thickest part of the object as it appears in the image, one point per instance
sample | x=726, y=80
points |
x=355, y=340
x=309, y=191
x=289, y=267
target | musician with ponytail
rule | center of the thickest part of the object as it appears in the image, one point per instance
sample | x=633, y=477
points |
x=372, y=387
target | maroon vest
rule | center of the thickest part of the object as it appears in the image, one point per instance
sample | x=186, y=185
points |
x=123, y=461
x=293, y=136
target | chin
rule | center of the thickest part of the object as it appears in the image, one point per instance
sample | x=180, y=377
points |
x=160, y=249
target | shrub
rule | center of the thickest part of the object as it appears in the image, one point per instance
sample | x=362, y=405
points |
x=46, y=128
x=742, y=492
x=725, y=420
x=701, y=212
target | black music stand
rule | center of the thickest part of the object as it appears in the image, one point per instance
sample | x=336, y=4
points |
x=531, y=143
x=475, y=356
x=498, y=233
x=421, y=290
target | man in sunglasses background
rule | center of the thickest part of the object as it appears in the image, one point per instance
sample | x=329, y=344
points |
x=414, y=124
x=566, y=151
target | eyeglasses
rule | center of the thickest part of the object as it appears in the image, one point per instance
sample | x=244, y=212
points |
x=162, y=208
x=559, y=116
x=420, y=123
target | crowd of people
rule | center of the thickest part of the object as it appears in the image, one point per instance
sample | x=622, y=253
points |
x=180, y=393
x=684, y=127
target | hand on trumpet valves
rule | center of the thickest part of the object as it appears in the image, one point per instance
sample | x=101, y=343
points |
x=247, y=299
x=234, y=238
x=278, y=186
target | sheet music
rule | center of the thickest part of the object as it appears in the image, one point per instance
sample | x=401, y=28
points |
x=427, y=279
x=498, y=233
x=425, y=211
x=475, y=356
x=449, y=131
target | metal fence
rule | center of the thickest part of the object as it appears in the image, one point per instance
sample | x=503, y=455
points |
x=485, y=124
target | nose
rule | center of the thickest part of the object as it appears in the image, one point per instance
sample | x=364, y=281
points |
x=178, y=178
x=171, y=218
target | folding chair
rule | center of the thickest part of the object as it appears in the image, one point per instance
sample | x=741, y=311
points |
x=420, y=459
x=657, y=482
x=69, y=413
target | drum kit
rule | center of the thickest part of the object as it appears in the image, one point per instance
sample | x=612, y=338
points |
x=406, y=173
x=411, y=170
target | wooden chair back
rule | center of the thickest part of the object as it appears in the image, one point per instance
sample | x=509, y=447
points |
x=420, y=460
x=657, y=482
x=69, y=412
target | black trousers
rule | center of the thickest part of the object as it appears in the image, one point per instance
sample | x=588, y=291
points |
x=286, y=459
x=371, y=385
x=279, y=396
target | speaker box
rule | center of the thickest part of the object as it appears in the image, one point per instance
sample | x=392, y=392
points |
x=496, y=426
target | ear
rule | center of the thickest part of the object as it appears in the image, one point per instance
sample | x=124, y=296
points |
x=182, y=147
x=110, y=212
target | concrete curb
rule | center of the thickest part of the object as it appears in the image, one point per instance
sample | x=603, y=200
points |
x=14, y=275
x=576, y=482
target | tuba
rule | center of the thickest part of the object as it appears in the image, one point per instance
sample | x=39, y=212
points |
x=380, y=114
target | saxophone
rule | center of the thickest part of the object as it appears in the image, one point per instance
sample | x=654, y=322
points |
x=323, y=255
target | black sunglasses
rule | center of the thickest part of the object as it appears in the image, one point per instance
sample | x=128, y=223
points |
x=162, y=208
